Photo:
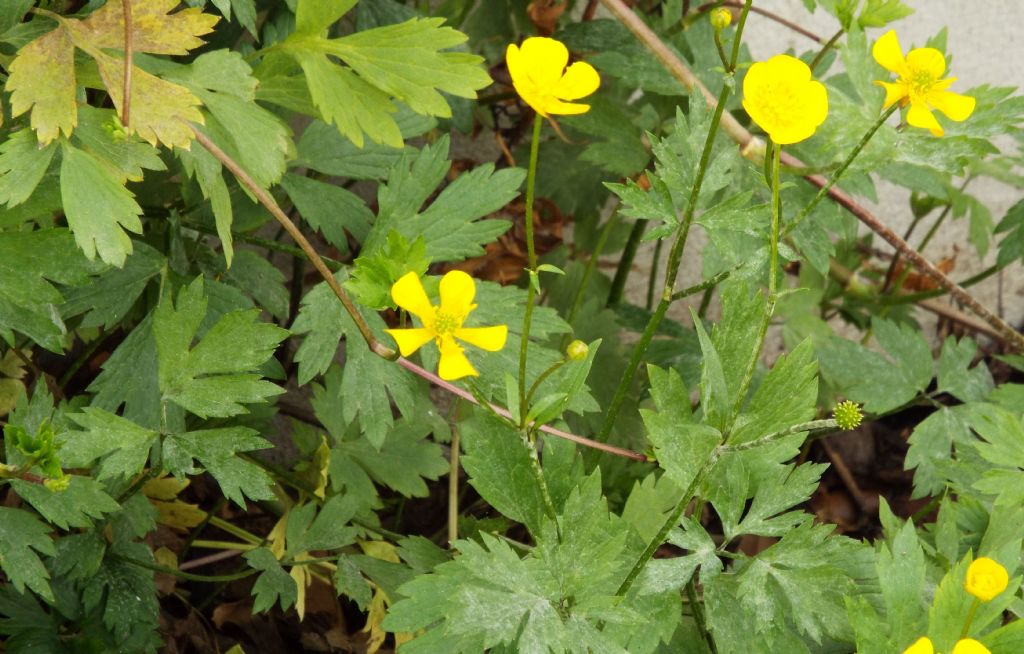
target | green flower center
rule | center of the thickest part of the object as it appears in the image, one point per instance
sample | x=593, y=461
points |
x=921, y=81
x=446, y=323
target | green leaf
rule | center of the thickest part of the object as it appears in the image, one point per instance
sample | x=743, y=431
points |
x=373, y=275
x=931, y=447
x=77, y=506
x=21, y=536
x=22, y=166
x=674, y=573
x=217, y=450
x=122, y=445
x=258, y=277
x=274, y=585
x=878, y=13
x=1003, y=446
x=330, y=209
x=126, y=592
x=498, y=462
x=714, y=394
x=402, y=62
x=681, y=445
x=403, y=461
x=957, y=377
x=12, y=13
x=324, y=321
x=28, y=302
x=312, y=17
x=329, y=530
x=98, y=207
x=212, y=379
x=245, y=13
x=880, y=383
x=901, y=573
x=108, y=297
x=130, y=377
x=787, y=396
x=450, y=226
x=1011, y=247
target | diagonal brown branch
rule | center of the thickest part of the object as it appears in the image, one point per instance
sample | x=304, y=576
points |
x=375, y=346
x=129, y=56
x=753, y=147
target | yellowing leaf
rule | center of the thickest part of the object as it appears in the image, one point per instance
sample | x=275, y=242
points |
x=43, y=80
x=160, y=109
x=154, y=30
x=178, y=515
x=164, y=488
x=303, y=578
x=43, y=72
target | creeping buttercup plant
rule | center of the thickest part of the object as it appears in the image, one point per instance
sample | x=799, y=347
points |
x=285, y=363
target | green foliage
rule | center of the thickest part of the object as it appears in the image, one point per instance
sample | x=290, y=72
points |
x=177, y=377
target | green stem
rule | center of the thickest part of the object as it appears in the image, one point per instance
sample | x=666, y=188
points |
x=184, y=575
x=531, y=292
x=237, y=532
x=824, y=49
x=625, y=263
x=536, y=384
x=773, y=244
x=970, y=618
x=823, y=191
x=706, y=285
x=453, y=488
x=910, y=298
x=653, y=277
x=813, y=425
x=223, y=545
x=676, y=253
x=698, y=613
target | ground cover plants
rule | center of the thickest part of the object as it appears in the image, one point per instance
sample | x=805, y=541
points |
x=286, y=366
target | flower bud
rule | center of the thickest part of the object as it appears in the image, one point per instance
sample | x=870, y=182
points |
x=847, y=414
x=577, y=351
x=720, y=18
x=986, y=579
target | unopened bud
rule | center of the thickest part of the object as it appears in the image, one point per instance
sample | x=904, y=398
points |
x=720, y=18
x=847, y=415
x=577, y=351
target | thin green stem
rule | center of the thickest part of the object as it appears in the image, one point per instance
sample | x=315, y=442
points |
x=223, y=545
x=625, y=263
x=706, y=285
x=453, y=487
x=825, y=48
x=698, y=613
x=653, y=277
x=531, y=292
x=773, y=244
x=823, y=191
x=910, y=298
x=237, y=532
x=676, y=253
x=970, y=618
x=813, y=425
x=536, y=384
x=181, y=574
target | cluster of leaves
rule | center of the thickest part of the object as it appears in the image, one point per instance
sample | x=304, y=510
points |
x=151, y=337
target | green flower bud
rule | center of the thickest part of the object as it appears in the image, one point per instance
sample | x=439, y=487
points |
x=720, y=18
x=577, y=351
x=848, y=414
x=58, y=484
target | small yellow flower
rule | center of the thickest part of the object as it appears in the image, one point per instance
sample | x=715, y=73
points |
x=922, y=646
x=783, y=100
x=970, y=646
x=986, y=579
x=920, y=84
x=541, y=79
x=443, y=323
x=847, y=414
x=720, y=18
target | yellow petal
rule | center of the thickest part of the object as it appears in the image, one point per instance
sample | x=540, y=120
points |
x=579, y=81
x=888, y=53
x=454, y=364
x=926, y=61
x=514, y=61
x=920, y=116
x=408, y=293
x=457, y=291
x=491, y=339
x=538, y=101
x=894, y=92
x=789, y=134
x=922, y=646
x=986, y=578
x=553, y=106
x=543, y=60
x=970, y=646
x=788, y=68
x=956, y=107
x=410, y=340
x=815, y=103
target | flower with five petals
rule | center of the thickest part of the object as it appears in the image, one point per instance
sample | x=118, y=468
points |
x=443, y=323
x=780, y=96
x=541, y=79
x=920, y=84
x=986, y=578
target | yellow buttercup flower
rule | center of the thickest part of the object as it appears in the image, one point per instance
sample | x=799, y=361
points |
x=541, y=79
x=922, y=646
x=920, y=84
x=783, y=100
x=443, y=323
x=970, y=646
x=986, y=579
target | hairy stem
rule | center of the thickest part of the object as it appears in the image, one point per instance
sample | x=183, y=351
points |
x=625, y=263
